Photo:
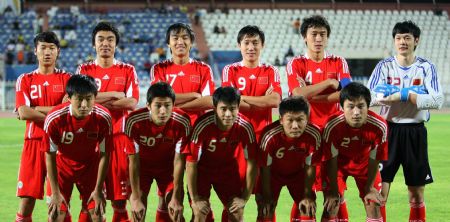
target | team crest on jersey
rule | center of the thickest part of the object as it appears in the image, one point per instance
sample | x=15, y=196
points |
x=58, y=88
x=332, y=75
x=195, y=78
x=119, y=81
x=263, y=80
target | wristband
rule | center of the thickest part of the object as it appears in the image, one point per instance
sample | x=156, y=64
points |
x=404, y=94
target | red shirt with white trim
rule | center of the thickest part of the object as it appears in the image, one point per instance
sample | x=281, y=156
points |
x=157, y=145
x=354, y=146
x=194, y=76
x=213, y=148
x=253, y=82
x=78, y=141
x=36, y=89
x=303, y=71
x=287, y=156
x=120, y=77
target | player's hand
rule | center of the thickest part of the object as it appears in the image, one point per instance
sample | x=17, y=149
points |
x=237, y=203
x=308, y=207
x=333, y=83
x=390, y=99
x=65, y=99
x=175, y=210
x=200, y=207
x=100, y=202
x=269, y=90
x=54, y=206
x=331, y=204
x=108, y=104
x=418, y=89
x=137, y=208
x=386, y=89
x=373, y=196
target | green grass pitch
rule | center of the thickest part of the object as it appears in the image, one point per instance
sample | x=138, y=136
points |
x=437, y=194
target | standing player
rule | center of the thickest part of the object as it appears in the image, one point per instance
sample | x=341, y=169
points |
x=191, y=80
x=159, y=134
x=216, y=139
x=354, y=143
x=418, y=90
x=290, y=148
x=36, y=94
x=119, y=92
x=77, y=150
x=318, y=76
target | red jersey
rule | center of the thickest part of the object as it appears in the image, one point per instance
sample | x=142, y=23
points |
x=157, y=145
x=354, y=146
x=194, y=76
x=213, y=148
x=36, y=89
x=288, y=156
x=120, y=77
x=76, y=140
x=302, y=71
x=253, y=82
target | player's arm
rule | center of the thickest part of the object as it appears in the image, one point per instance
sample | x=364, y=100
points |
x=433, y=98
x=176, y=203
x=271, y=100
x=268, y=201
x=29, y=113
x=308, y=203
x=312, y=90
x=121, y=104
x=199, y=206
x=328, y=98
x=331, y=204
x=182, y=98
x=137, y=207
x=199, y=104
x=372, y=195
x=103, y=97
x=57, y=198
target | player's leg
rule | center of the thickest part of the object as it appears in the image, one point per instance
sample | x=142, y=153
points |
x=342, y=186
x=164, y=182
x=228, y=186
x=204, y=186
x=389, y=168
x=268, y=212
x=417, y=203
x=373, y=213
x=117, y=179
x=30, y=184
x=296, y=189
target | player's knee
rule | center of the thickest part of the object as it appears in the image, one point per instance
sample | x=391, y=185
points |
x=416, y=194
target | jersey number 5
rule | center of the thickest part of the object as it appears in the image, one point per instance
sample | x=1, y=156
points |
x=212, y=146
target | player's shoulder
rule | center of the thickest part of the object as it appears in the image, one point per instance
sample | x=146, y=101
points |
x=314, y=131
x=375, y=119
x=420, y=61
x=123, y=65
x=28, y=75
x=138, y=113
x=62, y=72
x=271, y=130
x=386, y=61
x=244, y=123
x=333, y=121
x=60, y=107
x=233, y=66
x=56, y=112
x=181, y=117
x=269, y=67
x=102, y=112
x=199, y=63
x=206, y=119
x=333, y=57
x=163, y=64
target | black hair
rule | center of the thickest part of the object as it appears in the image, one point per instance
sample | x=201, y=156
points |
x=105, y=26
x=227, y=95
x=81, y=85
x=48, y=37
x=354, y=91
x=293, y=105
x=406, y=27
x=251, y=31
x=314, y=21
x=160, y=89
x=177, y=28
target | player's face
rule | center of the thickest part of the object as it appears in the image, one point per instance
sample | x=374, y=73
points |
x=226, y=115
x=180, y=43
x=294, y=123
x=82, y=104
x=46, y=53
x=161, y=110
x=251, y=47
x=405, y=43
x=105, y=44
x=355, y=112
x=316, y=39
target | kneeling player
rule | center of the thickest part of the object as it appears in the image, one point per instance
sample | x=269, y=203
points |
x=354, y=143
x=218, y=136
x=290, y=148
x=159, y=133
x=79, y=137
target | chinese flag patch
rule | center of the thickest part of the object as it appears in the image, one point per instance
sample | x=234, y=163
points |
x=58, y=88
x=195, y=78
x=119, y=81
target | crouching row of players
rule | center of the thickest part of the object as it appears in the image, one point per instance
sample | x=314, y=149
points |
x=162, y=143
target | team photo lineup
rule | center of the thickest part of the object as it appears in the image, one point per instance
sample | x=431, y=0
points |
x=197, y=134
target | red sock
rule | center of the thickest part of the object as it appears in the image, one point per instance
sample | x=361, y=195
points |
x=162, y=216
x=374, y=220
x=120, y=215
x=68, y=217
x=224, y=215
x=330, y=219
x=343, y=213
x=417, y=211
x=21, y=218
x=383, y=211
x=295, y=212
x=305, y=219
x=210, y=216
x=84, y=217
